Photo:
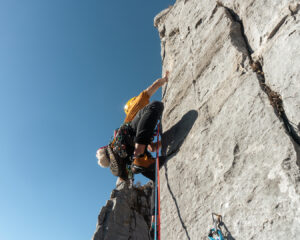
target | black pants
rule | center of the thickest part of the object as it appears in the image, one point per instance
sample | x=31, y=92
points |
x=144, y=124
x=145, y=121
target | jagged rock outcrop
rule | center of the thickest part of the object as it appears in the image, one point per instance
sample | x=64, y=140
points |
x=231, y=121
x=126, y=215
x=232, y=112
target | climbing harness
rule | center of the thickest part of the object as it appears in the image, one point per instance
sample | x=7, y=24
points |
x=123, y=138
x=119, y=151
x=216, y=233
x=157, y=192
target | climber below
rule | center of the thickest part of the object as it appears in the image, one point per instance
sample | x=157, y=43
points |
x=133, y=140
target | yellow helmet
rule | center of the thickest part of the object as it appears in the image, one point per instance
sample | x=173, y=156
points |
x=127, y=106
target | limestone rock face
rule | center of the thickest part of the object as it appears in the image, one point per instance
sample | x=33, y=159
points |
x=126, y=215
x=230, y=125
x=231, y=118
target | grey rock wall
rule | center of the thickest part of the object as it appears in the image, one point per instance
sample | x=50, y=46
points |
x=231, y=118
x=230, y=125
x=126, y=215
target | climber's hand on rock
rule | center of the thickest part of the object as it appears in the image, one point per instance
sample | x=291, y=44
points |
x=157, y=84
x=163, y=80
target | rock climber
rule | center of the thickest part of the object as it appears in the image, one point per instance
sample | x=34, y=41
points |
x=139, y=126
x=141, y=119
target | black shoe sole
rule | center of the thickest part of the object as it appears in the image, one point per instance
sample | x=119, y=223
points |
x=117, y=166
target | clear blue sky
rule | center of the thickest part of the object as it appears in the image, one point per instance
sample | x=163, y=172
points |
x=66, y=70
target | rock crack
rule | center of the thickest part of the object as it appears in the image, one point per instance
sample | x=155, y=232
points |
x=274, y=97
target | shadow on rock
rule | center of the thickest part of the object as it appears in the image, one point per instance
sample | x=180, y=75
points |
x=173, y=138
x=227, y=234
x=297, y=150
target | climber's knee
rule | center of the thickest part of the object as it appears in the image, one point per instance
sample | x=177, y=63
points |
x=159, y=106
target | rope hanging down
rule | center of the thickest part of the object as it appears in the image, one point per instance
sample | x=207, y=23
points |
x=157, y=192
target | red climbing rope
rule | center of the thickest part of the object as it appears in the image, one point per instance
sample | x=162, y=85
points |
x=157, y=191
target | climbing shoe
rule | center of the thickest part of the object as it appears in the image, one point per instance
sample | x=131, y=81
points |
x=141, y=163
x=117, y=165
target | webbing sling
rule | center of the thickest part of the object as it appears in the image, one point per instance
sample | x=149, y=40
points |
x=216, y=231
x=157, y=192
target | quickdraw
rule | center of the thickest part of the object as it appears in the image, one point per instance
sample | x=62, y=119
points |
x=216, y=233
x=130, y=173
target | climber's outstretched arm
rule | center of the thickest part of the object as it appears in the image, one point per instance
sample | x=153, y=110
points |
x=157, y=84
